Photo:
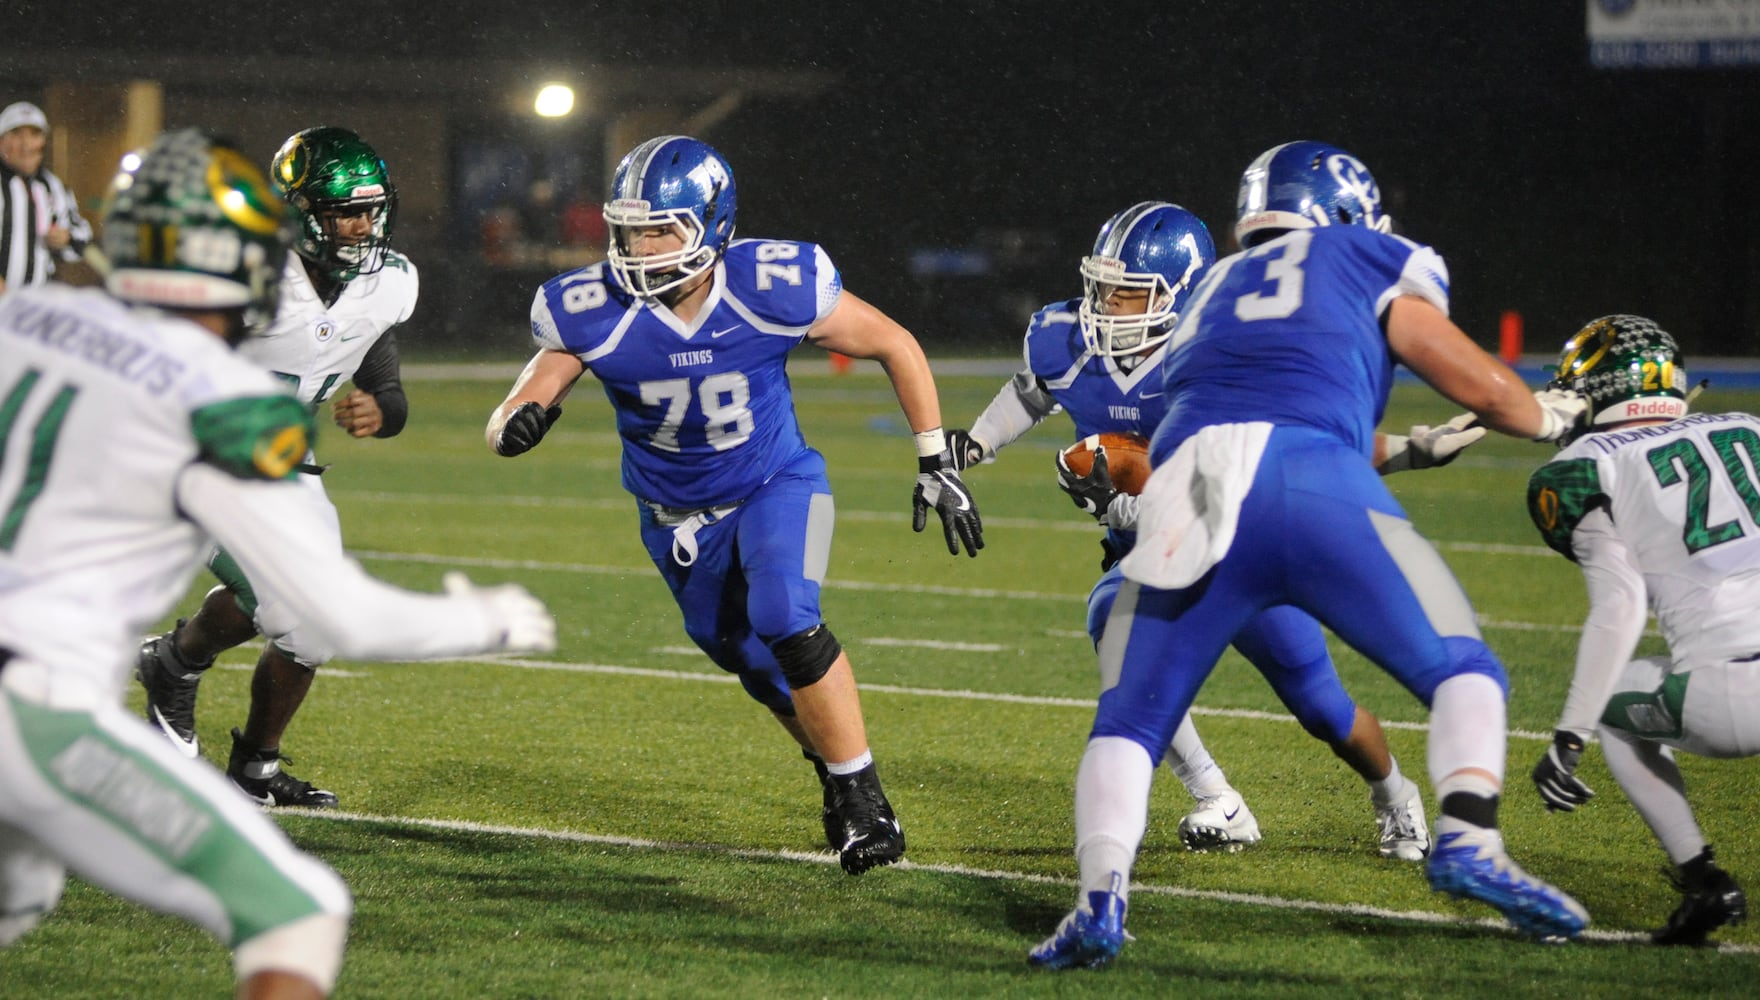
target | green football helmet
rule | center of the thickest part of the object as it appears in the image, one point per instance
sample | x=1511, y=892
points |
x=1627, y=367
x=191, y=223
x=330, y=173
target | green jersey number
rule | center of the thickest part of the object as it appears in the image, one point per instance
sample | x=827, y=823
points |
x=42, y=448
x=1681, y=461
x=323, y=392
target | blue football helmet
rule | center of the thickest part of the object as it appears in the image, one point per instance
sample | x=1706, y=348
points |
x=1300, y=185
x=677, y=181
x=1151, y=245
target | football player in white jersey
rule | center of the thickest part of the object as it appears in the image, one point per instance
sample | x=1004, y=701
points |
x=343, y=291
x=1661, y=510
x=689, y=332
x=131, y=438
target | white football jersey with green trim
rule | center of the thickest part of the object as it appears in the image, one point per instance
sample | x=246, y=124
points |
x=1684, y=497
x=316, y=348
x=97, y=405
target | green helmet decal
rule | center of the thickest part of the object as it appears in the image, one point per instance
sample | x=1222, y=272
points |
x=191, y=223
x=1627, y=367
x=345, y=199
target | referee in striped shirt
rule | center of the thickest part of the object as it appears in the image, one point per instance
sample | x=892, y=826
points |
x=39, y=219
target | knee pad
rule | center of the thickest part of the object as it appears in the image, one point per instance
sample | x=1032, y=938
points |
x=299, y=646
x=806, y=656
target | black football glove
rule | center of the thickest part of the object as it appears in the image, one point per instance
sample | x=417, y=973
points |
x=939, y=486
x=1555, y=775
x=524, y=428
x=1093, y=492
x=965, y=451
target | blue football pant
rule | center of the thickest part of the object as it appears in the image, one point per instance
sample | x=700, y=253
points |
x=1367, y=575
x=756, y=576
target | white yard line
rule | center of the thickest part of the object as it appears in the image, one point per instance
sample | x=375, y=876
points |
x=1361, y=910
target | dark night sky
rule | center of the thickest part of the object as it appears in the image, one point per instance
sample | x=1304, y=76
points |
x=1550, y=188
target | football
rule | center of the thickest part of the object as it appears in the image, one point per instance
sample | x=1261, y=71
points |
x=1127, y=459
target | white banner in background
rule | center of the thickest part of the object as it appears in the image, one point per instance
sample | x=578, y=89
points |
x=1674, y=34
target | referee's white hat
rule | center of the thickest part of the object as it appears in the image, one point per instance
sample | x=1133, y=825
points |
x=20, y=114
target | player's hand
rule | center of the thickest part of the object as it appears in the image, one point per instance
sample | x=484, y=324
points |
x=939, y=486
x=966, y=450
x=524, y=428
x=1560, y=410
x=1429, y=447
x=522, y=621
x=1093, y=492
x=1555, y=776
x=358, y=413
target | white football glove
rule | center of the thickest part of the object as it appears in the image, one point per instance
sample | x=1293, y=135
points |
x=521, y=620
x=1560, y=409
x=1428, y=447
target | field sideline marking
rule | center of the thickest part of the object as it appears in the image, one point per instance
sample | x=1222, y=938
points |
x=868, y=516
x=487, y=562
x=827, y=858
x=1051, y=701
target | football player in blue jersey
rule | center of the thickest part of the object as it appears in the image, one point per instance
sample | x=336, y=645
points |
x=689, y=332
x=1099, y=359
x=1276, y=376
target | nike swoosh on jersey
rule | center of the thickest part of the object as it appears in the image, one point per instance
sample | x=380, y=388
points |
x=723, y=333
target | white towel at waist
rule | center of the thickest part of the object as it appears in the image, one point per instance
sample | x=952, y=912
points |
x=1191, y=505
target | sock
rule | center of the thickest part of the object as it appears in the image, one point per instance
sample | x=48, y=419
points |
x=1112, y=810
x=1390, y=790
x=1192, y=764
x=851, y=766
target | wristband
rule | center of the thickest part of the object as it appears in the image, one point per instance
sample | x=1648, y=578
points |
x=931, y=443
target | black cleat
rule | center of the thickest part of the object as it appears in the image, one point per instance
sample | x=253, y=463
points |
x=828, y=813
x=1711, y=900
x=868, y=833
x=170, y=682
x=258, y=773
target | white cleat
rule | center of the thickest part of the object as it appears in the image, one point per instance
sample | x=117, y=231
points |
x=1219, y=823
x=1404, y=834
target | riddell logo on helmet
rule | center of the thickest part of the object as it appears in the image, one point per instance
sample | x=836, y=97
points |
x=1638, y=409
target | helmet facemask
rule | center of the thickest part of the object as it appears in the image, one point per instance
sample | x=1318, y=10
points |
x=1627, y=367
x=649, y=275
x=1115, y=336
x=347, y=256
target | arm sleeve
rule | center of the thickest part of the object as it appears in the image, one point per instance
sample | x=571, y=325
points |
x=1617, y=613
x=1018, y=407
x=380, y=374
x=278, y=538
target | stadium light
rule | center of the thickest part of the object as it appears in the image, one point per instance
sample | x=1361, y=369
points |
x=554, y=100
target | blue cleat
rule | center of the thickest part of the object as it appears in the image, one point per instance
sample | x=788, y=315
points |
x=1473, y=865
x=1086, y=939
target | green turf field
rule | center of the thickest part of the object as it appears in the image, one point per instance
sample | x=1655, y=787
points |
x=618, y=819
